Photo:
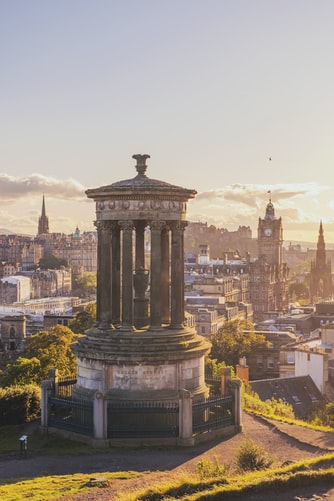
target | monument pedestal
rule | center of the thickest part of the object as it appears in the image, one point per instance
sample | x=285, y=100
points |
x=141, y=364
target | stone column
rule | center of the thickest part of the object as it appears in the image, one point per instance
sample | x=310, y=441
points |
x=99, y=416
x=127, y=275
x=165, y=313
x=235, y=389
x=103, y=289
x=46, y=389
x=177, y=275
x=185, y=418
x=225, y=378
x=140, y=248
x=155, y=289
x=115, y=274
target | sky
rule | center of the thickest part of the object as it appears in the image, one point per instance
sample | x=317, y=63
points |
x=232, y=98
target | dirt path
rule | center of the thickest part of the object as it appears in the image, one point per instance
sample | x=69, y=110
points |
x=283, y=442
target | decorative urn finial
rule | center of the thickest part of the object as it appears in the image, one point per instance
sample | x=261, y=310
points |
x=141, y=163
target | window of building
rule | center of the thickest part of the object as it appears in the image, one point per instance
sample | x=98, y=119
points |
x=270, y=363
x=290, y=358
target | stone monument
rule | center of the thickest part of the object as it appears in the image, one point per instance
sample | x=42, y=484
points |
x=141, y=347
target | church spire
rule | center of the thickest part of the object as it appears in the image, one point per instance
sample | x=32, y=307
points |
x=321, y=273
x=320, y=258
x=43, y=222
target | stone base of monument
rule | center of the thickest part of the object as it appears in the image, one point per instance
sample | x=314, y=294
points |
x=141, y=363
x=143, y=382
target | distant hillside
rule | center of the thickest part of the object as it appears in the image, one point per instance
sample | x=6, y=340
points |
x=5, y=231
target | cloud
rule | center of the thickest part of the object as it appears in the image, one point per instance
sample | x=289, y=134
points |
x=14, y=189
x=254, y=195
x=300, y=205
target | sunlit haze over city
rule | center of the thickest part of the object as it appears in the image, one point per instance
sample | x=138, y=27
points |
x=231, y=98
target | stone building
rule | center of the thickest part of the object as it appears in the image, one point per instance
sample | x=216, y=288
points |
x=8, y=269
x=78, y=249
x=13, y=332
x=15, y=288
x=48, y=283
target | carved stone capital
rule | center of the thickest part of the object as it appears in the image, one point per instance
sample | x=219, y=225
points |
x=157, y=225
x=126, y=225
x=103, y=226
x=178, y=226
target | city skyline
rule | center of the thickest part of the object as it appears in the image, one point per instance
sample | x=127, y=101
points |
x=232, y=99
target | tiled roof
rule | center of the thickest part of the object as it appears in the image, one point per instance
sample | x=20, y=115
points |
x=301, y=392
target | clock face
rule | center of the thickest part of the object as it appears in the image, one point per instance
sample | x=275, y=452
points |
x=268, y=232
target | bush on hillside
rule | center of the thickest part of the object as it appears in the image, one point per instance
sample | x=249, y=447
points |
x=251, y=456
x=273, y=408
x=19, y=404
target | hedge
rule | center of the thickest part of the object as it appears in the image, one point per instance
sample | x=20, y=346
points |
x=19, y=404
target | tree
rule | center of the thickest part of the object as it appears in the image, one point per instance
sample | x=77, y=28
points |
x=213, y=367
x=235, y=339
x=19, y=404
x=51, y=262
x=298, y=291
x=23, y=371
x=53, y=349
x=84, y=284
x=84, y=320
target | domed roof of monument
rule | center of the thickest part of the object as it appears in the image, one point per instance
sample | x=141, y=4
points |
x=141, y=182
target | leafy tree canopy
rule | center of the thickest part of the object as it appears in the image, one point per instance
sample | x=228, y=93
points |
x=53, y=349
x=235, y=339
x=84, y=319
x=23, y=371
x=51, y=262
x=84, y=284
x=215, y=368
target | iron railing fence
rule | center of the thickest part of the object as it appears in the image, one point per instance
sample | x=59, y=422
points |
x=72, y=415
x=142, y=419
x=65, y=386
x=212, y=413
x=138, y=419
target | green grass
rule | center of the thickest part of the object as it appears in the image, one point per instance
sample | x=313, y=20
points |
x=38, y=442
x=183, y=486
x=52, y=487
x=211, y=481
x=313, y=472
x=294, y=421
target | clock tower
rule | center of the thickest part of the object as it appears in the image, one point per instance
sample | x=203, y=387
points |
x=270, y=236
x=268, y=277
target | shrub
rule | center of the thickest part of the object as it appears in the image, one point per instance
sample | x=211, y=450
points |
x=19, y=404
x=251, y=456
x=210, y=469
